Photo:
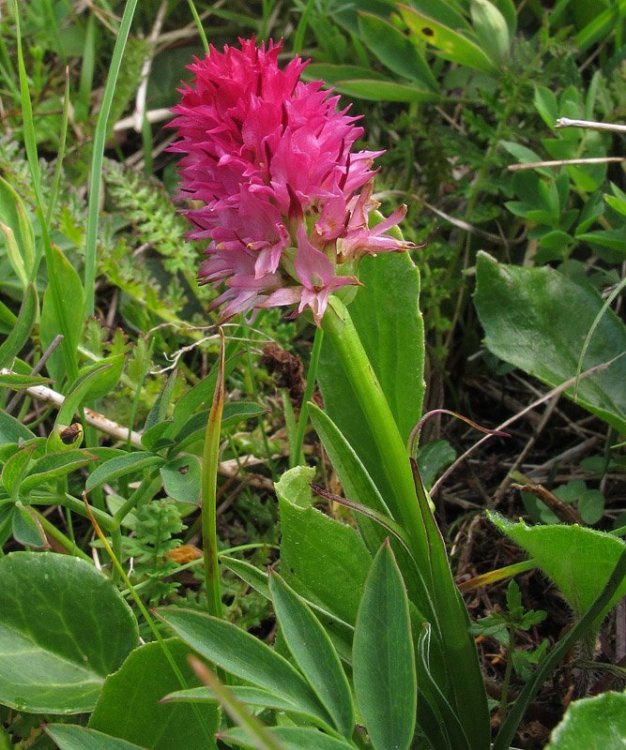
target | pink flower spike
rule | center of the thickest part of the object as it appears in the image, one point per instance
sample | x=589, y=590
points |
x=268, y=162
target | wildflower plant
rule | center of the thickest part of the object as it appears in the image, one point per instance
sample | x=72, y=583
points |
x=285, y=204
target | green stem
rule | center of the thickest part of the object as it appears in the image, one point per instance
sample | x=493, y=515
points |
x=210, y=461
x=296, y=458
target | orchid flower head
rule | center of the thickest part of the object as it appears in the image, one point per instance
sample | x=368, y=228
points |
x=273, y=182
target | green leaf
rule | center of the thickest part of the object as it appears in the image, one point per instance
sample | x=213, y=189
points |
x=330, y=74
x=74, y=737
x=537, y=319
x=54, y=466
x=546, y=104
x=385, y=680
x=384, y=90
x=15, y=469
x=17, y=382
x=121, y=466
x=182, y=478
x=87, y=383
x=451, y=45
x=26, y=527
x=386, y=315
x=244, y=656
x=323, y=559
x=16, y=224
x=292, y=738
x=491, y=30
x=129, y=706
x=59, y=644
x=13, y=431
x=109, y=371
x=597, y=723
x=249, y=696
x=580, y=577
x=355, y=480
x=395, y=50
x=313, y=652
x=163, y=401
x=612, y=239
x=68, y=280
x=18, y=336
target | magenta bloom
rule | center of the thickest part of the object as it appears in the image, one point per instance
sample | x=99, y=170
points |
x=268, y=164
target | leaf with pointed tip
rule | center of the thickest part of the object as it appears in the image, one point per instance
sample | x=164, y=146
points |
x=313, y=652
x=385, y=680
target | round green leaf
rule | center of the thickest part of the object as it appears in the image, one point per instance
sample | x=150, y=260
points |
x=537, y=319
x=63, y=629
x=129, y=705
x=597, y=723
x=182, y=479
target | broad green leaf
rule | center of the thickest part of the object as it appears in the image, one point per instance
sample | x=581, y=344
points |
x=58, y=645
x=243, y=655
x=74, y=737
x=323, y=559
x=339, y=631
x=451, y=45
x=18, y=336
x=182, y=477
x=383, y=662
x=109, y=371
x=313, y=652
x=54, y=466
x=86, y=384
x=491, y=30
x=597, y=723
x=15, y=469
x=395, y=50
x=581, y=576
x=11, y=430
x=129, y=706
x=292, y=738
x=120, y=466
x=386, y=315
x=537, y=319
x=26, y=528
x=69, y=282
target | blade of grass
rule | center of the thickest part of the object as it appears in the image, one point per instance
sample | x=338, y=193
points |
x=30, y=143
x=98, y=156
x=198, y=22
x=210, y=464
